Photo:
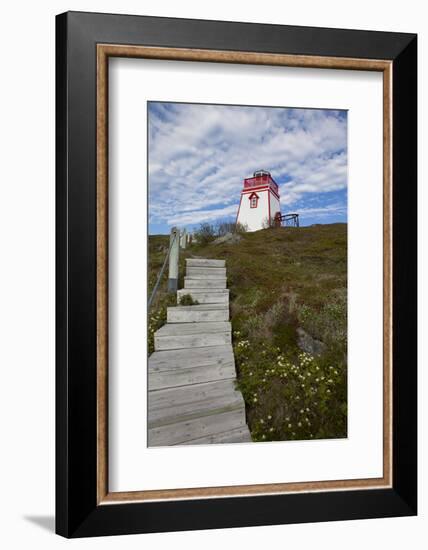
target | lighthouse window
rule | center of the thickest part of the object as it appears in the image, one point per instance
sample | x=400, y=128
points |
x=253, y=202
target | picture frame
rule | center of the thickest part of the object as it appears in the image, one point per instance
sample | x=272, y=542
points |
x=84, y=44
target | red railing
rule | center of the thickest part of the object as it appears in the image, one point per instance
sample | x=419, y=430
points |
x=260, y=181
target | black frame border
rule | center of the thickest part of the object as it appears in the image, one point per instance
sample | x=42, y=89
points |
x=77, y=512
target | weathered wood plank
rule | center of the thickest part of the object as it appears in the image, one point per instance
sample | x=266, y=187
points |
x=190, y=282
x=188, y=411
x=211, y=296
x=174, y=434
x=202, y=307
x=192, y=341
x=192, y=375
x=200, y=313
x=191, y=394
x=203, y=262
x=161, y=361
x=186, y=402
x=211, y=272
x=235, y=435
x=182, y=329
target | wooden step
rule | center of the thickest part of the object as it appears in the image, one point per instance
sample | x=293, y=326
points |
x=206, y=296
x=192, y=335
x=236, y=435
x=181, y=432
x=168, y=369
x=191, y=375
x=172, y=405
x=181, y=358
x=198, y=313
x=202, y=262
x=191, y=282
x=209, y=272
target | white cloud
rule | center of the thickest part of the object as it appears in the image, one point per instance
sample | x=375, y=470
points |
x=199, y=155
x=324, y=210
x=200, y=216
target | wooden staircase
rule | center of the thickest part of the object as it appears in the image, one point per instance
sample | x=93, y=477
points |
x=192, y=397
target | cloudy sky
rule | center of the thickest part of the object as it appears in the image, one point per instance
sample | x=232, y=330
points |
x=200, y=154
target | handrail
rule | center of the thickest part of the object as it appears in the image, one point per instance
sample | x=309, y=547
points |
x=161, y=271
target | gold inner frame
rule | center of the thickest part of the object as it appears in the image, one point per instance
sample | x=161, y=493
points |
x=104, y=51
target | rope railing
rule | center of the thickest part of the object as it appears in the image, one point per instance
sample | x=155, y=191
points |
x=178, y=239
x=173, y=240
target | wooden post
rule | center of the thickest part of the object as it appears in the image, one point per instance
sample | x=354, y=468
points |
x=183, y=238
x=174, y=243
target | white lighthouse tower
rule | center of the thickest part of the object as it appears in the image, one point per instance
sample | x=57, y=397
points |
x=259, y=201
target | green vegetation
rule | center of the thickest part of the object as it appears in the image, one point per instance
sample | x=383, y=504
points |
x=187, y=300
x=281, y=280
x=208, y=232
x=158, y=248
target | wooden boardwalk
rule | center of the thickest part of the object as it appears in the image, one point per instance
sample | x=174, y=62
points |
x=192, y=397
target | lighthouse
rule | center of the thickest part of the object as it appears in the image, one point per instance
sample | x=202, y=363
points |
x=259, y=201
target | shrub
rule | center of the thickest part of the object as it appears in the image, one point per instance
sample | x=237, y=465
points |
x=267, y=223
x=290, y=397
x=157, y=318
x=230, y=226
x=327, y=323
x=224, y=227
x=241, y=227
x=206, y=233
x=187, y=300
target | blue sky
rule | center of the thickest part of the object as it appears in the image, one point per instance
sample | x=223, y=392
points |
x=200, y=154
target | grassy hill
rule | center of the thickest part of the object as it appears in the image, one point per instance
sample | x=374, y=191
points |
x=288, y=292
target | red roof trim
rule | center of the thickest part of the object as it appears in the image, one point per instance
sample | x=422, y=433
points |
x=260, y=189
x=256, y=179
